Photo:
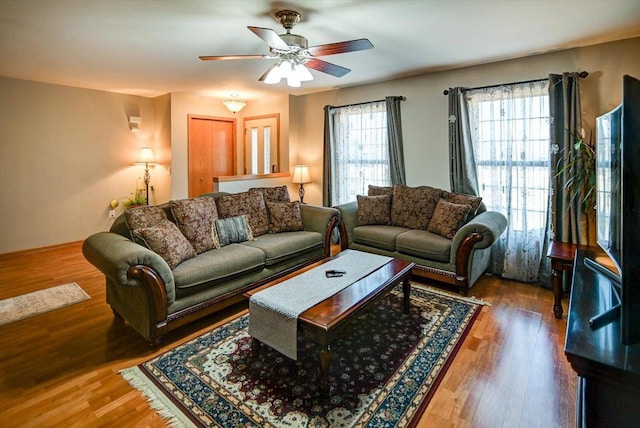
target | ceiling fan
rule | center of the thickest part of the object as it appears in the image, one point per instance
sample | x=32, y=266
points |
x=293, y=53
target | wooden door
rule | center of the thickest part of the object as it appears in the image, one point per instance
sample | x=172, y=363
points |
x=212, y=151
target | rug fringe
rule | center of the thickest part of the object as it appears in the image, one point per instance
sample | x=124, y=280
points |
x=157, y=401
x=471, y=299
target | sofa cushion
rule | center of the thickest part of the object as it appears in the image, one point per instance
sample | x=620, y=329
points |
x=165, y=239
x=448, y=218
x=194, y=218
x=284, y=217
x=230, y=230
x=273, y=194
x=284, y=246
x=464, y=199
x=425, y=245
x=378, y=236
x=379, y=190
x=412, y=207
x=218, y=265
x=249, y=203
x=374, y=209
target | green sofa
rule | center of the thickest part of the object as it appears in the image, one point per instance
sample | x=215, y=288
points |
x=418, y=224
x=155, y=295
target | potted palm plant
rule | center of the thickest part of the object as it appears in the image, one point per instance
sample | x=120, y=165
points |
x=581, y=172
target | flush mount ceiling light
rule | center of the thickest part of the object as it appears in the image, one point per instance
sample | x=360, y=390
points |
x=234, y=104
x=294, y=54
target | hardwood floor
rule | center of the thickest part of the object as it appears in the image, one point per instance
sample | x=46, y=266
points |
x=61, y=368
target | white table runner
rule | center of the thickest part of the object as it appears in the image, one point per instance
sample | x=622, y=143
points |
x=274, y=311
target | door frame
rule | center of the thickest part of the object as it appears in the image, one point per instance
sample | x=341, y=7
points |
x=245, y=150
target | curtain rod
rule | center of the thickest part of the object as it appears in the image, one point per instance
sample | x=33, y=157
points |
x=401, y=98
x=582, y=74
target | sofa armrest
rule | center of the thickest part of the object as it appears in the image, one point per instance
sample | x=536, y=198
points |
x=322, y=220
x=481, y=232
x=122, y=261
x=348, y=221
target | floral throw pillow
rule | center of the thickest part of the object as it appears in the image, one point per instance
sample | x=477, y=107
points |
x=448, y=218
x=379, y=190
x=165, y=239
x=194, y=218
x=463, y=199
x=273, y=194
x=230, y=230
x=284, y=217
x=413, y=207
x=374, y=209
x=250, y=204
x=145, y=216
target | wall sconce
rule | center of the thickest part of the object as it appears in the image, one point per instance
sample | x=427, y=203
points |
x=301, y=176
x=234, y=104
x=146, y=158
x=134, y=123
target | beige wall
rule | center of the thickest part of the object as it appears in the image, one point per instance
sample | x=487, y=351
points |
x=66, y=152
x=424, y=113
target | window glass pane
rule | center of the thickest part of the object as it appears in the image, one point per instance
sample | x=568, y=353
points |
x=267, y=149
x=254, y=151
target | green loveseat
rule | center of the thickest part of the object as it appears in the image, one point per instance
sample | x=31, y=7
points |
x=418, y=224
x=155, y=295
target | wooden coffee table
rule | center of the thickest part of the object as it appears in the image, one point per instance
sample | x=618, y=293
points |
x=323, y=321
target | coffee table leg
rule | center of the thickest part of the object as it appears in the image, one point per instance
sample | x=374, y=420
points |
x=325, y=363
x=406, y=289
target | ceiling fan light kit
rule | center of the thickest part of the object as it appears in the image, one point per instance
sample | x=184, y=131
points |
x=294, y=73
x=294, y=55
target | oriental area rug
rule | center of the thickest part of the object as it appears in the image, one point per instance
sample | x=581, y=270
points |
x=41, y=301
x=385, y=367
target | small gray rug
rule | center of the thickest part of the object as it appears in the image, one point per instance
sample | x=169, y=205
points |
x=41, y=301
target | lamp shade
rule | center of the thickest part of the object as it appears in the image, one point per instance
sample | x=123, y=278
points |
x=301, y=174
x=146, y=155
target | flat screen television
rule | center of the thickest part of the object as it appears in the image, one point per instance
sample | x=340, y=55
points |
x=618, y=210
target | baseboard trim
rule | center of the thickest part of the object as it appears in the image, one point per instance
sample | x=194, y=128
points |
x=29, y=251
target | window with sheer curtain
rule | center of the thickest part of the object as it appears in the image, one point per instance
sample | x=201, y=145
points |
x=360, y=152
x=511, y=142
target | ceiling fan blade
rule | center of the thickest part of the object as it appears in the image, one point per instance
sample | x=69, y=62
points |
x=264, y=76
x=228, y=57
x=327, y=67
x=340, y=47
x=271, y=37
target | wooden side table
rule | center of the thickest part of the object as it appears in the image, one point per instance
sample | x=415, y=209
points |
x=561, y=255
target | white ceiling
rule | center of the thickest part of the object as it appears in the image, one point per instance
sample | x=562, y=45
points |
x=151, y=47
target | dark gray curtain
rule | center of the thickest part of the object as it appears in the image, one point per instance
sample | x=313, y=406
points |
x=326, y=167
x=462, y=164
x=394, y=132
x=569, y=222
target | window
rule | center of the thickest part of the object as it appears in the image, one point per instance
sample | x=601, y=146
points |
x=511, y=146
x=360, y=150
